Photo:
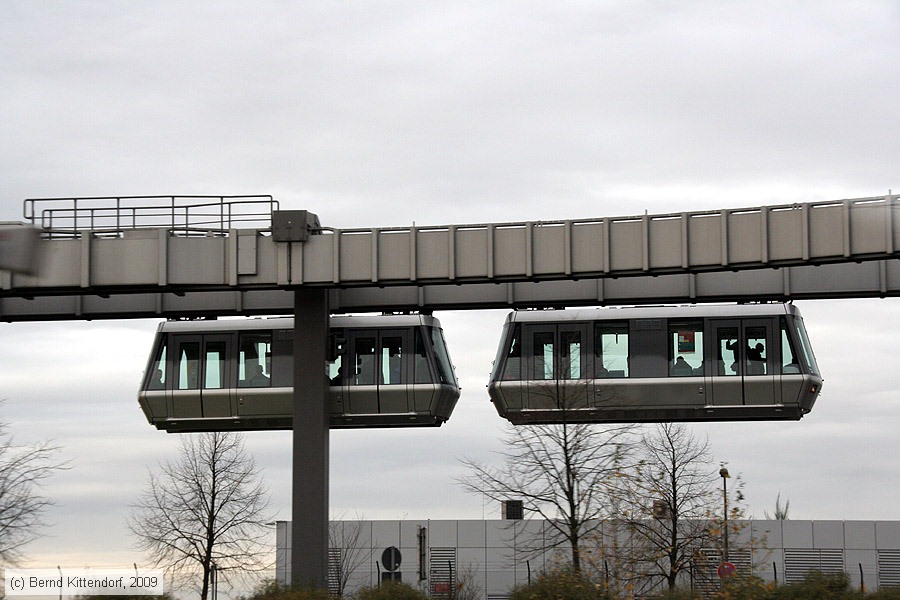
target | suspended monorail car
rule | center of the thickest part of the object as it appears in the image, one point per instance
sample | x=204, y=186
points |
x=655, y=364
x=383, y=371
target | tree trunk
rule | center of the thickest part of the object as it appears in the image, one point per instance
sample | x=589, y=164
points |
x=204, y=591
x=576, y=554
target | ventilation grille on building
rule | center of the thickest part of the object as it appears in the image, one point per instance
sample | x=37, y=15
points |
x=706, y=566
x=334, y=570
x=798, y=563
x=888, y=568
x=442, y=572
x=513, y=510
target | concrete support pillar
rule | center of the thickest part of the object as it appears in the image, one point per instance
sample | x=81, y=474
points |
x=309, y=531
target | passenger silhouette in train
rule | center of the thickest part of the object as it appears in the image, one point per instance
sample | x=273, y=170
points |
x=338, y=377
x=756, y=362
x=259, y=379
x=682, y=367
x=156, y=382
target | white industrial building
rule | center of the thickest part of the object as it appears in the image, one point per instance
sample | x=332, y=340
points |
x=496, y=555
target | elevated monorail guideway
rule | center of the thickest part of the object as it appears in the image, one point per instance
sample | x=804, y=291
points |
x=118, y=258
x=20, y=248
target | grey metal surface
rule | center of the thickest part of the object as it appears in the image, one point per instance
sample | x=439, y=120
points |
x=20, y=248
x=309, y=497
x=627, y=259
x=870, y=279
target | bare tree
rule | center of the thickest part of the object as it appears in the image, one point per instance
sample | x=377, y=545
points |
x=205, y=512
x=467, y=584
x=23, y=468
x=347, y=552
x=665, y=504
x=558, y=471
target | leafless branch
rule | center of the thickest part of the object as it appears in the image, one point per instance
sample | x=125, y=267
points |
x=23, y=470
x=205, y=511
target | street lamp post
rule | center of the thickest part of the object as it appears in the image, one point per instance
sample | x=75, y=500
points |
x=724, y=473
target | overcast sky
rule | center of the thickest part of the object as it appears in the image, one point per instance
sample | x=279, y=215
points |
x=383, y=113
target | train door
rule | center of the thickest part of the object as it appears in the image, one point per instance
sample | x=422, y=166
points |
x=201, y=386
x=377, y=381
x=572, y=372
x=540, y=348
x=556, y=369
x=394, y=349
x=742, y=362
x=264, y=379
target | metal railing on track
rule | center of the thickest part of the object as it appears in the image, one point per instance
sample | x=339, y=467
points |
x=183, y=215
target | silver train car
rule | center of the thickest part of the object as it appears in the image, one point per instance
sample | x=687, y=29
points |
x=655, y=364
x=384, y=371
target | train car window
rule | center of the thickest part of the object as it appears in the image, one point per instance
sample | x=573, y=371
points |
x=157, y=379
x=611, y=357
x=214, y=368
x=727, y=350
x=335, y=372
x=788, y=356
x=364, y=353
x=570, y=355
x=335, y=366
x=686, y=348
x=542, y=359
x=188, y=368
x=421, y=373
x=756, y=355
x=391, y=360
x=445, y=367
x=255, y=359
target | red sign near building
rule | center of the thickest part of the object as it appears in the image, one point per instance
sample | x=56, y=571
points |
x=726, y=569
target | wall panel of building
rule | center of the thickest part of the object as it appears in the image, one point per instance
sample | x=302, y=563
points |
x=496, y=555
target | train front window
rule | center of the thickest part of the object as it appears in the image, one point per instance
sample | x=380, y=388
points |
x=512, y=365
x=439, y=347
x=807, y=348
x=543, y=354
x=214, y=371
x=255, y=359
x=611, y=350
x=686, y=348
x=188, y=368
x=157, y=380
